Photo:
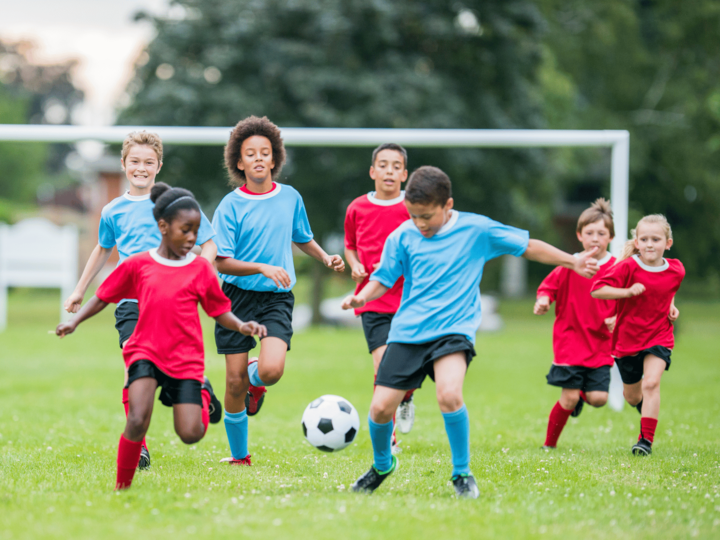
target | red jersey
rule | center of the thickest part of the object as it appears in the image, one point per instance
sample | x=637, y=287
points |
x=368, y=223
x=168, y=331
x=580, y=336
x=642, y=320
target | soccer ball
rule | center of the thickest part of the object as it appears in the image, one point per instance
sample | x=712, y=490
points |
x=330, y=423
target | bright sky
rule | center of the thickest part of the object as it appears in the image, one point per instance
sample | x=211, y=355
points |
x=99, y=33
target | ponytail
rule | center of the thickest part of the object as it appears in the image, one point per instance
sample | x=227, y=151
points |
x=169, y=201
x=629, y=249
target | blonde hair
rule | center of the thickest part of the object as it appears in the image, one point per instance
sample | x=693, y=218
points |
x=598, y=210
x=629, y=249
x=138, y=138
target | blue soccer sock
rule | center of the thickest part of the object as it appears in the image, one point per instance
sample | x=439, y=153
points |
x=236, y=426
x=381, y=437
x=253, y=375
x=457, y=426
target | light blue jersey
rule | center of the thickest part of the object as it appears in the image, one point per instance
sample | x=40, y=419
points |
x=261, y=229
x=128, y=222
x=441, y=295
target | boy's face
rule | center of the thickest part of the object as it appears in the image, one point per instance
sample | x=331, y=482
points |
x=595, y=235
x=389, y=172
x=256, y=158
x=429, y=218
x=141, y=166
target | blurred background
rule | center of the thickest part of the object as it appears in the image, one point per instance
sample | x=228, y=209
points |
x=650, y=67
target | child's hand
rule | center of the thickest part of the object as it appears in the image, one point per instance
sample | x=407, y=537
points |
x=252, y=328
x=73, y=302
x=353, y=301
x=335, y=262
x=358, y=273
x=585, y=264
x=63, y=329
x=674, y=313
x=610, y=323
x=542, y=305
x=635, y=290
x=278, y=274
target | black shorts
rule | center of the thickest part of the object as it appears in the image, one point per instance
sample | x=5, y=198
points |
x=580, y=378
x=274, y=310
x=376, y=327
x=172, y=391
x=404, y=366
x=126, y=318
x=631, y=367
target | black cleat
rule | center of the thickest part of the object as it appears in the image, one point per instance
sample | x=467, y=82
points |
x=639, y=407
x=465, y=486
x=215, y=406
x=642, y=448
x=372, y=479
x=144, y=463
x=578, y=408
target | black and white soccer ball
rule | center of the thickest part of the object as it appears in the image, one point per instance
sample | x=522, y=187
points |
x=330, y=423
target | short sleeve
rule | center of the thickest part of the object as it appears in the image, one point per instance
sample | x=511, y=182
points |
x=505, y=240
x=119, y=284
x=211, y=297
x=350, y=236
x=106, y=232
x=206, y=231
x=550, y=285
x=616, y=277
x=301, y=226
x=225, y=225
x=392, y=262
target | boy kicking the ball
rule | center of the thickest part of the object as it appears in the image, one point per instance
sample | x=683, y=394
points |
x=441, y=254
x=369, y=220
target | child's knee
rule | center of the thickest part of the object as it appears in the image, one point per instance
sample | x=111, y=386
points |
x=449, y=399
x=381, y=411
x=271, y=374
x=138, y=422
x=598, y=399
x=237, y=385
x=191, y=435
x=650, y=384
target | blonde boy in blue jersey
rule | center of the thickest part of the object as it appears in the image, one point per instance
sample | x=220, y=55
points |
x=440, y=253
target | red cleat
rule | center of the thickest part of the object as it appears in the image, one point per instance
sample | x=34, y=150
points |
x=233, y=461
x=255, y=396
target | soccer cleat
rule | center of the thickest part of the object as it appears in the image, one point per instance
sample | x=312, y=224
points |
x=255, y=396
x=548, y=448
x=642, y=448
x=216, y=410
x=233, y=461
x=465, y=486
x=144, y=463
x=578, y=408
x=372, y=479
x=406, y=416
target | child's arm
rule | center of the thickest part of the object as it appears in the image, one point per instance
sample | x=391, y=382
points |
x=358, y=270
x=674, y=312
x=613, y=293
x=235, y=267
x=372, y=291
x=313, y=249
x=209, y=251
x=542, y=305
x=98, y=258
x=231, y=322
x=93, y=307
x=542, y=252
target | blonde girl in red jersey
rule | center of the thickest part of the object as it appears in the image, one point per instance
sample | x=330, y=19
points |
x=644, y=283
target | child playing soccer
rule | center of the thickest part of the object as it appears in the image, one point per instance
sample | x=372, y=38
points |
x=644, y=284
x=441, y=254
x=581, y=334
x=127, y=222
x=166, y=348
x=369, y=220
x=256, y=225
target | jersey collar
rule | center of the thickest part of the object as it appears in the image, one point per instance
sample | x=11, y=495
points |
x=264, y=196
x=136, y=198
x=382, y=202
x=190, y=257
x=450, y=223
x=664, y=266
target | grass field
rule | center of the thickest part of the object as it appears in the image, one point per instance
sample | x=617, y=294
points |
x=61, y=417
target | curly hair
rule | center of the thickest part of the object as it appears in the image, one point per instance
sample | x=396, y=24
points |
x=249, y=127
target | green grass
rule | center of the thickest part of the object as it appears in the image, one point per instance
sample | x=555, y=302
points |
x=61, y=417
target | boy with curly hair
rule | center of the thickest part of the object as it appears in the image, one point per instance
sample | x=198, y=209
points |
x=256, y=225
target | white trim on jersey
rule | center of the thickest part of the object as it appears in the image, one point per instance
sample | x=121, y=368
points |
x=664, y=266
x=450, y=223
x=190, y=257
x=262, y=197
x=136, y=197
x=382, y=202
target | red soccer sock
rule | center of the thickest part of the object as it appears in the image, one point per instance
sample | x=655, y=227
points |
x=126, y=404
x=647, y=428
x=556, y=423
x=205, y=408
x=408, y=395
x=127, y=462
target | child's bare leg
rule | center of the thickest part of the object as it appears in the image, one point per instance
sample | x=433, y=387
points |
x=569, y=398
x=377, y=356
x=141, y=396
x=188, y=422
x=653, y=368
x=596, y=398
x=271, y=363
x=633, y=393
x=384, y=403
x=236, y=382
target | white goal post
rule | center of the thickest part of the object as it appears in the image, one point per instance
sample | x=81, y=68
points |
x=617, y=140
